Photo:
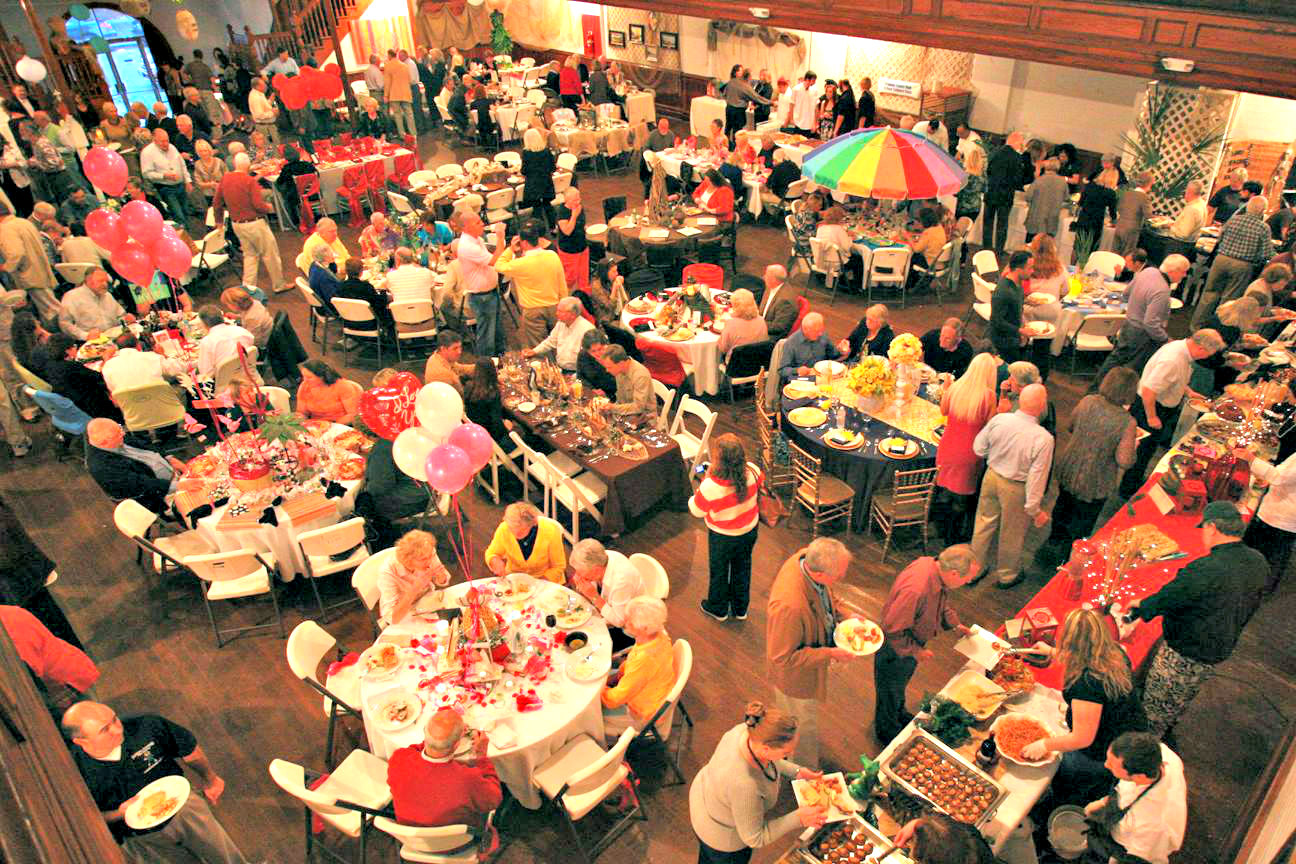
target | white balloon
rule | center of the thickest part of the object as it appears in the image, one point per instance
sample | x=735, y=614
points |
x=438, y=407
x=30, y=70
x=410, y=451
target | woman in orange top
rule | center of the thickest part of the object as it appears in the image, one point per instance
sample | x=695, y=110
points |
x=326, y=395
x=715, y=196
x=641, y=685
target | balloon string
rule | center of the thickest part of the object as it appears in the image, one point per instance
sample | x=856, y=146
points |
x=460, y=550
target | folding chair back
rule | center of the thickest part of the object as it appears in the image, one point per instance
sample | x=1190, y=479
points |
x=308, y=198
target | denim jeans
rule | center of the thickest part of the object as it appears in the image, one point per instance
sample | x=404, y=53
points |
x=175, y=198
x=485, y=307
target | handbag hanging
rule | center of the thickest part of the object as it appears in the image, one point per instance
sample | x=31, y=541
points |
x=769, y=506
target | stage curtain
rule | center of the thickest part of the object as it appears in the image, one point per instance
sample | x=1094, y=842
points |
x=454, y=24
x=378, y=35
x=543, y=23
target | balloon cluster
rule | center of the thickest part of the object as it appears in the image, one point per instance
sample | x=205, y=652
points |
x=308, y=84
x=139, y=243
x=429, y=439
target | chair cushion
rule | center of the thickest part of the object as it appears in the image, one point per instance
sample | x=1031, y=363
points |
x=831, y=491
x=564, y=463
x=360, y=779
x=906, y=511
x=982, y=309
x=595, y=490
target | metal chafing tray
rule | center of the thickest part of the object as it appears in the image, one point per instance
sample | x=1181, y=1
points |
x=949, y=755
x=856, y=825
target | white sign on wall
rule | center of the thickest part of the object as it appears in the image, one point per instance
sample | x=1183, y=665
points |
x=896, y=87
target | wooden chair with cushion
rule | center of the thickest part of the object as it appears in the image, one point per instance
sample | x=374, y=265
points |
x=824, y=496
x=907, y=503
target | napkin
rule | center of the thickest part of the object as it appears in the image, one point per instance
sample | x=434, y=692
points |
x=689, y=230
x=350, y=659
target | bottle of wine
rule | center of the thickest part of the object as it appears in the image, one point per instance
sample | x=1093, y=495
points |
x=988, y=752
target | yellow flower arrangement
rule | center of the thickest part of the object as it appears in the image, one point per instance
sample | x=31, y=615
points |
x=905, y=348
x=872, y=376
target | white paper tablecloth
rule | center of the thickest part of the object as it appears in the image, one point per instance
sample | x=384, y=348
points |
x=701, y=352
x=641, y=106
x=539, y=734
x=279, y=540
x=702, y=111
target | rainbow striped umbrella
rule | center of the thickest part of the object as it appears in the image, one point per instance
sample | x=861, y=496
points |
x=882, y=162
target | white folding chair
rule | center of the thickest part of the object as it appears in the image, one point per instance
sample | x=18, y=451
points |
x=510, y=159
x=535, y=467
x=659, y=727
x=566, y=162
x=354, y=312
x=795, y=258
x=476, y=163
x=1096, y=334
x=365, y=582
x=423, y=178
x=938, y=270
x=984, y=262
x=319, y=313
x=826, y=260
x=527, y=63
x=308, y=646
x=330, y=550
x=889, y=266
x=415, y=319
x=449, y=169
x=167, y=553
x=1107, y=263
x=446, y=844
x=233, y=575
x=693, y=447
x=667, y=397
x=499, y=205
x=213, y=253
x=580, y=776
x=500, y=458
x=656, y=582
x=400, y=204
x=280, y=399
x=73, y=274
x=982, y=291
x=354, y=793
x=537, y=98
x=578, y=492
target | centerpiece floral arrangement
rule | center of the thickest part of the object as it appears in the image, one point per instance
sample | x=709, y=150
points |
x=905, y=348
x=694, y=298
x=871, y=377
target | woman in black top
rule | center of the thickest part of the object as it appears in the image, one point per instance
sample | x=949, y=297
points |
x=482, y=401
x=872, y=335
x=355, y=288
x=68, y=378
x=538, y=165
x=844, y=109
x=26, y=333
x=866, y=105
x=572, y=246
x=372, y=124
x=294, y=167
x=481, y=105
x=1097, y=200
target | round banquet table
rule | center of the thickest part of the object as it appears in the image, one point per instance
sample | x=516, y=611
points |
x=570, y=708
x=612, y=138
x=630, y=240
x=700, y=352
x=1070, y=312
x=279, y=540
x=864, y=469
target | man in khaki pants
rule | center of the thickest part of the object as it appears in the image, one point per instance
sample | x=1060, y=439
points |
x=1018, y=454
x=240, y=194
x=538, y=275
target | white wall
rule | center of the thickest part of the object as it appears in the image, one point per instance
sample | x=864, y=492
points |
x=1056, y=103
x=1264, y=118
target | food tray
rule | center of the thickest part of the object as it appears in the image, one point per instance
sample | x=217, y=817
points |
x=948, y=756
x=808, y=851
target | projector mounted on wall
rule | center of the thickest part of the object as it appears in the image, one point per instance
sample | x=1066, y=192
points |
x=759, y=12
x=1177, y=64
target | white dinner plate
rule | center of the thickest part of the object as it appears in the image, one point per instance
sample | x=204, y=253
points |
x=587, y=666
x=526, y=407
x=175, y=787
x=411, y=701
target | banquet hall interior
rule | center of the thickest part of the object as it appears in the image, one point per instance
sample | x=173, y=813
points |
x=279, y=214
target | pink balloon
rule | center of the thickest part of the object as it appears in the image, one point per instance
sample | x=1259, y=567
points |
x=104, y=227
x=171, y=256
x=475, y=441
x=133, y=262
x=166, y=233
x=106, y=169
x=142, y=221
x=448, y=468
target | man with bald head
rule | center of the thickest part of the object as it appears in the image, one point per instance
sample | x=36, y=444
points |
x=165, y=166
x=241, y=194
x=123, y=471
x=806, y=347
x=430, y=787
x=779, y=303
x=118, y=757
x=1018, y=453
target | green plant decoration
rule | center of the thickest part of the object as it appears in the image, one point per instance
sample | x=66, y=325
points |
x=1148, y=147
x=282, y=428
x=501, y=42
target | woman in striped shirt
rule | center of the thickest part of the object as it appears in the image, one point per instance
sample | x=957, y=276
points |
x=727, y=500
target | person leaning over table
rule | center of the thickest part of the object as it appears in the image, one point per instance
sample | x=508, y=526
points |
x=250, y=313
x=430, y=787
x=222, y=342
x=916, y=610
x=127, y=366
x=123, y=471
x=1162, y=389
x=413, y=571
x=732, y=794
x=75, y=381
x=1244, y=247
x=744, y=325
x=871, y=337
x=609, y=581
x=1203, y=611
x=935, y=838
x=118, y=757
x=443, y=364
x=1144, y=817
x=564, y=340
x=325, y=395
x=945, y=349
x=778, y=305
x=1102, y=703
x=634, y=390
x=526, y=542
x=806, y=347
x=537, y=274
x=1006, y=329
x=1147, y=314
x=89, y=309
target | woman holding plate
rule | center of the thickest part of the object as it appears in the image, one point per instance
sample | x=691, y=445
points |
x=411, y=573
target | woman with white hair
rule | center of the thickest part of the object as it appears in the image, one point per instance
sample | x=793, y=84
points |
x=538, y=165
x=373, y=123
x=526, y=542
x=573, y=250
x=745, y=324
x=641, y=685
x=871, y=337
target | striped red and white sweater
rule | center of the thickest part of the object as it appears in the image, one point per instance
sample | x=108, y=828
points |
x=718, y=504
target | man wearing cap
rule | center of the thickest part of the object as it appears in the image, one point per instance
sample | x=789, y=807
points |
x=1203, y=611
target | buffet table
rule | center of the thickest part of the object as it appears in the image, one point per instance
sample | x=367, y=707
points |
x=529, y=711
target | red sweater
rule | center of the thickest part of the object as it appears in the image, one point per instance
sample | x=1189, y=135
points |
x=569, y=81
x=49, y=657
x=428, y=793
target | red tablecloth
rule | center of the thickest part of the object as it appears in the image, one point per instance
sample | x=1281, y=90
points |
x=1143, y=581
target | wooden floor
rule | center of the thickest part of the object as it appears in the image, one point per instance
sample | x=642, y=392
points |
x=152, y=640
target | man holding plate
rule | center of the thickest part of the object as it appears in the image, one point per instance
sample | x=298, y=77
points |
x=119, y=758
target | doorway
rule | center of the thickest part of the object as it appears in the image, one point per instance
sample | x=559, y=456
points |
x=124, y=56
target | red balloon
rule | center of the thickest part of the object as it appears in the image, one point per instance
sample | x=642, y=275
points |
x=330, y=87
x=475, y=441
x=142, y=221
x=133, y=262
x=106, y=169
x=448, y=468
x=389, y=410
x=171, y=256
x=105, y=228
x=332, y=69
x=293, y=95
x=278, y=81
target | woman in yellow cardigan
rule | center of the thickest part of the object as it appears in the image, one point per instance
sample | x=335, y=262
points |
x=527, y=543
x=645, y=679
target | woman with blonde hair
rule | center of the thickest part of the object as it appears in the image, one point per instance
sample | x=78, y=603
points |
x=968, y=403
x=538, y=166
x=731, y=796
x=569, y=83
x=526, y=542
x=412, y=572
x=973, y=191
x=745, y=324
x=1098, y=688
x=372, y=122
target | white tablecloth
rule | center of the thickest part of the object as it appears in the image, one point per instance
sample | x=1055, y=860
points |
x=700, y=352
x=1025, y=785
x=539, y=734
x=279, y=540
x=331, y=177
x=702, y=111
x=1017, y=230
x=671, y=162
x=506, y=116
x=641, y=106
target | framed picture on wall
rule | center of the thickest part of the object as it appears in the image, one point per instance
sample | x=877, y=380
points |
x=616, y=39
x=650, y=53
x=636, y=34
x=670, y=41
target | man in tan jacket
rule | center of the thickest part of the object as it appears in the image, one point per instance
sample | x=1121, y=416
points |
x=443, y=365
x=801, y=617
x=399, y=94
x=25, y=261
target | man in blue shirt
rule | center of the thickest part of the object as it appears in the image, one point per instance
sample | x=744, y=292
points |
x=323, y=281
x=281, y=63
x=806, y=347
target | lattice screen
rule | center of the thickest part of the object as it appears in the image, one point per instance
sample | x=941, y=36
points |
x=618, y=18
x=1193, y=112
x=932, y=67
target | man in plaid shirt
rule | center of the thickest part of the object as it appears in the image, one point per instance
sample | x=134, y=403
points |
x=1245, y=245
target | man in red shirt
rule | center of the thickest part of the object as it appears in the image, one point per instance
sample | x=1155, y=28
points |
x=431, y=788
x=241, y=194
x=50, y=659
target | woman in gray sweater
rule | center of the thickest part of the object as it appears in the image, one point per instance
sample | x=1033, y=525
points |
x=733, y=793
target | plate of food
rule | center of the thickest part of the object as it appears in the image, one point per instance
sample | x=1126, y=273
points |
x=1013, y=675
x=203, y=465
x=1230, y=411
x=859, y=636
x=587, y=665
x=844, y=439
x=978, y=695
x=799, y=389
x=157, y=802
x=354, y=441
x=683, y=334
x=641, y=306
x=95, y=350
x=379, y=661
x=351, y=469
x=1039, y=298
x=1041, y=329
x=569, y=610
x=895, y=447
x=1014, y=730
x=807, y=416
x=829, y=792
x=317, y=427
x=515, y=587
x=526, y=407
x=395, y=711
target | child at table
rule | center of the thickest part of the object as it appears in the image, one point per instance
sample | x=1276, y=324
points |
x=411, y=573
